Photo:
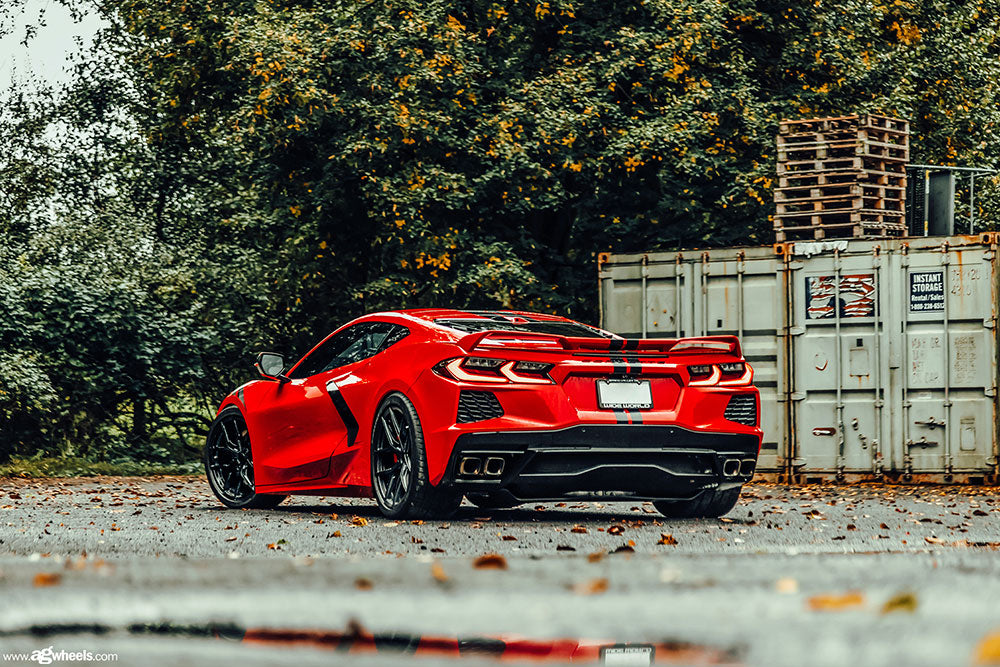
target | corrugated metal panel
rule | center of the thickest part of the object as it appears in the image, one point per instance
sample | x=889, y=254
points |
x=873, y=356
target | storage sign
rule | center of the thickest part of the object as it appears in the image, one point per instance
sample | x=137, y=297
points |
x=926, y=291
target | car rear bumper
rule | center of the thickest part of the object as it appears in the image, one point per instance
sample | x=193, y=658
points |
x=610, y=461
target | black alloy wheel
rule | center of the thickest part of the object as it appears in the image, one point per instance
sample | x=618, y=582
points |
x=400, y=481
x=391, y=464
x=229, y=463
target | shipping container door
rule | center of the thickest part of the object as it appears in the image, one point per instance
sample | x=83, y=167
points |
x=647, y=297
x=741, y=292
x=949, y=359
x=839, y=360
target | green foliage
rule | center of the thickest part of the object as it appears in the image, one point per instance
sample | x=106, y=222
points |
x=250, y=174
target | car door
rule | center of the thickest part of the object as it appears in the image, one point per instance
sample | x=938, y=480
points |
x=308, y=427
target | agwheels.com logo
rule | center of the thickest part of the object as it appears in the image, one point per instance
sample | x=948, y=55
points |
x=49, y=655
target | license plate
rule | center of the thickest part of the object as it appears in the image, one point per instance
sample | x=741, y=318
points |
x=624, y=394
x=627, y=655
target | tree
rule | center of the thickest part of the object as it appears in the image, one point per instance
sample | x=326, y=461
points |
x=272, y=168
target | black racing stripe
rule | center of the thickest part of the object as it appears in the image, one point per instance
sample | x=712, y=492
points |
x=239, y=395
x=344, y=411
x=396, y=642
x=481, y=646
x=618, y=365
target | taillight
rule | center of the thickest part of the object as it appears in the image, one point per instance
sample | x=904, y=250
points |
x=488, y=369
x=728, y=374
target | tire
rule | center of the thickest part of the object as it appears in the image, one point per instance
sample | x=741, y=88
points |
x=709, y=503
x=493, y=500
x=400, y=483
x=228, y=462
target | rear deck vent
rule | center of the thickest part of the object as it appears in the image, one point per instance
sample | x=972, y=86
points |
x=742, y=409
x=477, y=406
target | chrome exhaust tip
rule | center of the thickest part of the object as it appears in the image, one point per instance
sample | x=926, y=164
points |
x=731, y=467
x=494, y=466
x=747, y=467
x=470, y=466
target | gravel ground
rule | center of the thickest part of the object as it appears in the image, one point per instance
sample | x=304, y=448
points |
x=794, y=575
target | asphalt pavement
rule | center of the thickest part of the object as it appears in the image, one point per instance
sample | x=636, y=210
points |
x=155, y=570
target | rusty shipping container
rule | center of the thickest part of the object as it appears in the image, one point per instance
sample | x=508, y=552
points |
x=876, y=359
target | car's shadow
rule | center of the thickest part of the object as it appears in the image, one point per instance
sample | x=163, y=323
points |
x=522, y=514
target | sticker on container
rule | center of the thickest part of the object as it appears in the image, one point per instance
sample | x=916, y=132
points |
x=857, y=296
x=926, y=291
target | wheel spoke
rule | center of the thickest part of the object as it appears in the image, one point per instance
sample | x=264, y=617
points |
x=397, y=429
x=393, y=488
x=390, y=438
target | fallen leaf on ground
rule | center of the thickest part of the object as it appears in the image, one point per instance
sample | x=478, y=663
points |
x=667, y=538
x=934, y=540
x=438, y=573
x=46, y=579
x=578, y=529
x=836, y=602
x=359, y=521
x=564, y=547
x=988, y=650
x=508, y=538
x=363, y=584
x=900, y=602
x=592, y=587
x=616, y=530
x=490, y=562
x=787, y=586
x=595, y=557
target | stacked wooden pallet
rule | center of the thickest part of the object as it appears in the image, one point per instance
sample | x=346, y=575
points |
x=841, y=176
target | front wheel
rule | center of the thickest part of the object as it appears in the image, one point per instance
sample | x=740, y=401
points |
x=400, y=481
x=229, y=463
x=708, y=503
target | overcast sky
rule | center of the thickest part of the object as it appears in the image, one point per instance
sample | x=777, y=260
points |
x=46, y=54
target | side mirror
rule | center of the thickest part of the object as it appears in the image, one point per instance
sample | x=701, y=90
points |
x=270, y=365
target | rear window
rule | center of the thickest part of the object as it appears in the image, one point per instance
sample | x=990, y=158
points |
x=555, y=328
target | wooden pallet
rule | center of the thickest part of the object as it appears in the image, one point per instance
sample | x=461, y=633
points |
x=815, y=191
x=839, y=230
x=832, y=217
x=896, y=167
x=843, y=149
x=832, y=205
x=862, y=133
x=844, y=123
x=840, y=177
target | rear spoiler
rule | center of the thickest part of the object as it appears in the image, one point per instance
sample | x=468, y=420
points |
x=539, y=342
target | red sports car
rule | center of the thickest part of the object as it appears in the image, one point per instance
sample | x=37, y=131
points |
x=419, y=408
